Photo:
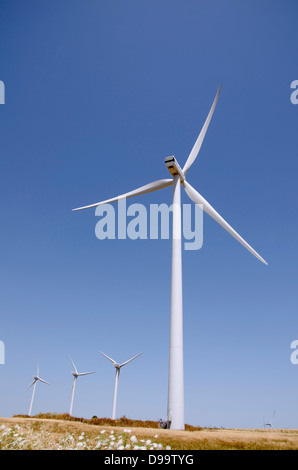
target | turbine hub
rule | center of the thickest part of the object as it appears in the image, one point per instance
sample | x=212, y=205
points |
x=174, y=167
x=116, y=365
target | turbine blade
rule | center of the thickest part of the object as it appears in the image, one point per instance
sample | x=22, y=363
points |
x=30, y=385
x=37, y=369
x=198, y=199
x=85, y=373
x=148, y=188
x=112, y=360
x=196, y=148
x=129, y=360
x=74, y=367
x=41, y=380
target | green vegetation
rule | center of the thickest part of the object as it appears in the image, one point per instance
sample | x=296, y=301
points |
x=123, y=421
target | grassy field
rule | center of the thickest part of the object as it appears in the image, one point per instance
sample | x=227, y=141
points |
x=53, y=433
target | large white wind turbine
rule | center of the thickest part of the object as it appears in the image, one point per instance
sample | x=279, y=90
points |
x=36, y=378
x=75, y=374
x=176, y=381
x=117, y=367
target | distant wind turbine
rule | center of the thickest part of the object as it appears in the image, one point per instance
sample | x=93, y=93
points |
x=36, y=379
x=270, y=424
x=117, y=367
x=75, y=374
x=176, y=378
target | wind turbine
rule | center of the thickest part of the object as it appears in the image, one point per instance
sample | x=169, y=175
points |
x=75, y=374
x=117, y=367
x=270, y=424
x=36, y=378
x=176, y=380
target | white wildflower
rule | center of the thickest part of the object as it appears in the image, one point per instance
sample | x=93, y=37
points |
x=119, y=443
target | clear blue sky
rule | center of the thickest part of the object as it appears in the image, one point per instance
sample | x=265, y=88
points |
x=97, y=95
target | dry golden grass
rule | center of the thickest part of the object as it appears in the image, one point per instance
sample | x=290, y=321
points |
x=203, y=439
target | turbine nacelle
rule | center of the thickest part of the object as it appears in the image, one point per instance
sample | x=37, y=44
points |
x=77, y=374
x=174, y=167
x=116, y=365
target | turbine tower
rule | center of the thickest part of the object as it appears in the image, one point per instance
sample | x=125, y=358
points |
x=176, y=380
x=75, y=374
x=36, y=378
x=117, y=367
